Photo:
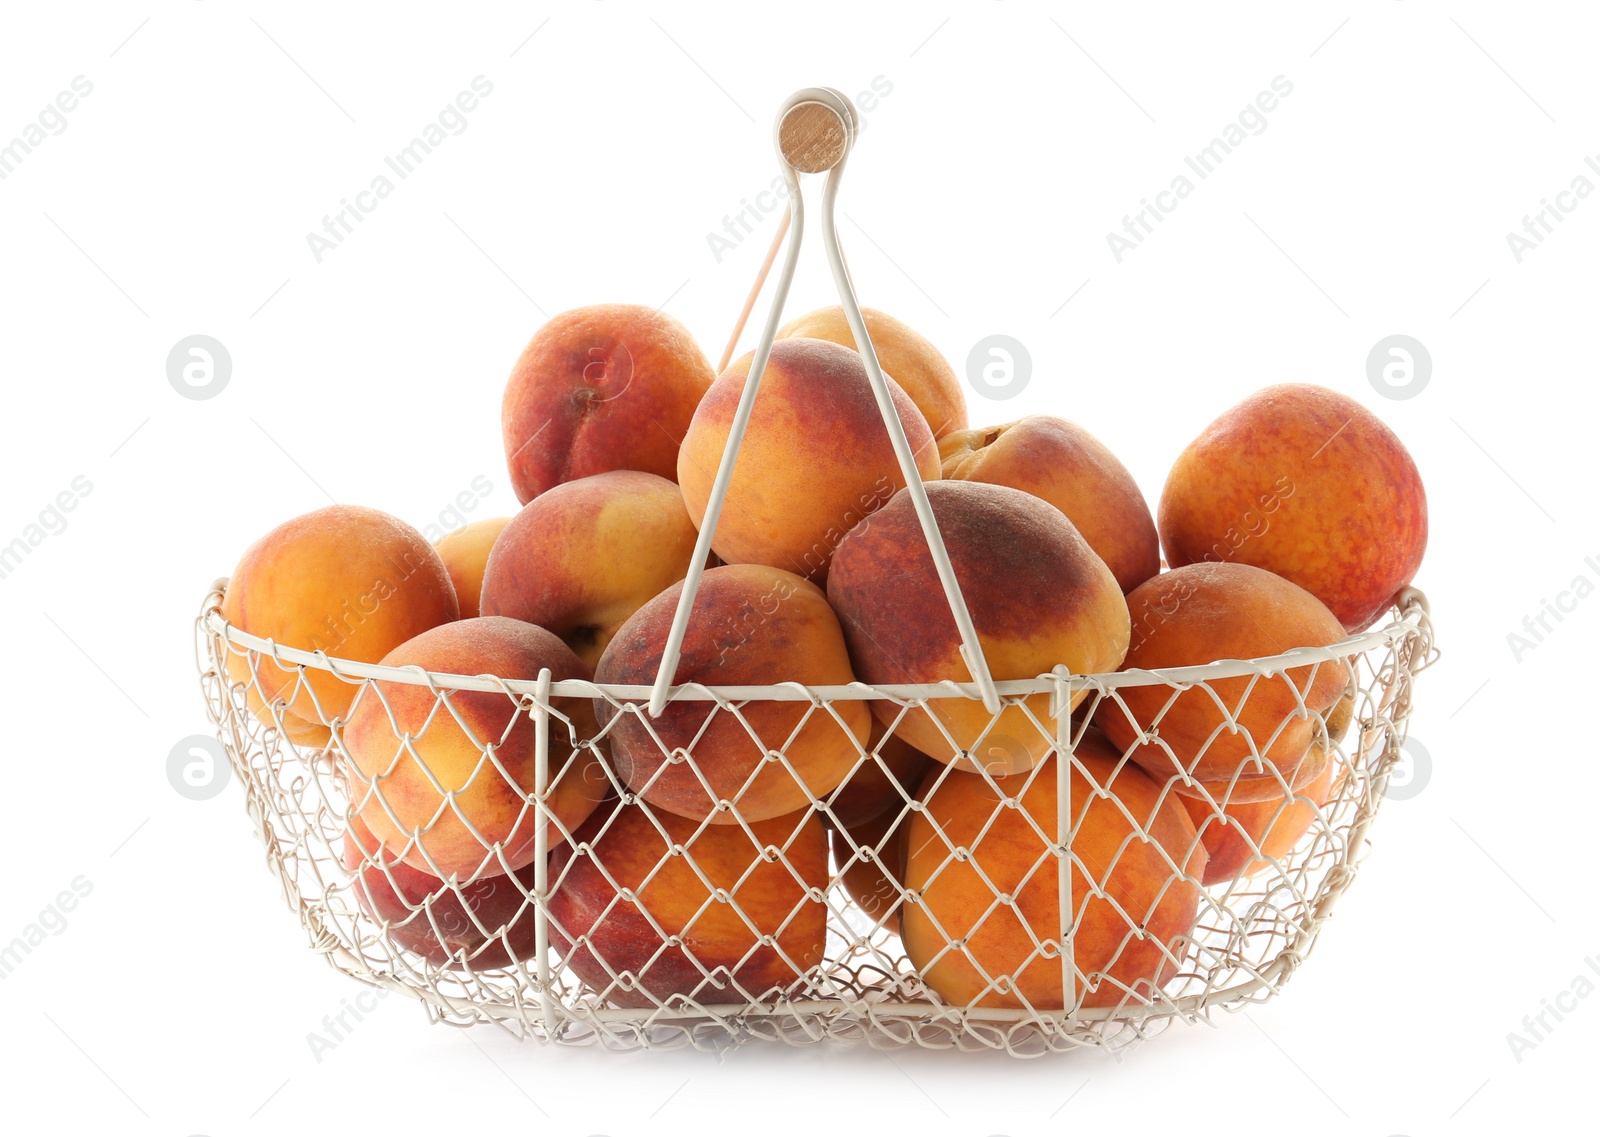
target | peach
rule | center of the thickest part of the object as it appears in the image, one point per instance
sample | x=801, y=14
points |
x=816, y=456
x=1037, y=594
x=884, y=779
x=647, y=907
x=583, y=557
x=750, y=625
x=607, y=387
x=346, y=580
x=973, y=845
x=301, y=732
x=1067, y=466
x=907, y=357
x=422, y=779
x=1309, y=484
x=465, y=553
x=874, y=876
x=482, y=924
x=1339, y=719
x=1244, y=787
x=1211, y=611
x=1240, y=837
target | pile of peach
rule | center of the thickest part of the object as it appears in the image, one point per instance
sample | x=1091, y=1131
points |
x=691, y=851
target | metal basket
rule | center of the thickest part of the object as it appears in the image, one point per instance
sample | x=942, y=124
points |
x=527, y=971
x=1253, y=932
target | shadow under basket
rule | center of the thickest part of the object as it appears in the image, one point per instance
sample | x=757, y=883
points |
x=643, y=970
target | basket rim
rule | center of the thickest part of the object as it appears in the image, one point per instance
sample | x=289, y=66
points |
x=1411, y=622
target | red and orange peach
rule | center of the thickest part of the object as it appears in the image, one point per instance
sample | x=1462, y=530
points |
x=607, y=387
x=447, y=781
x=987, y=884
x=1309, y=484
x=465, y=553
x=1070, y=468
x=476, y=925
x=650, y=908
x=750, y=625
x=1244, y=736
x=1037, y=593
x=581, y=558
x=884, y=779
x=346, y=580
x=1244, y=839
x=815, y=459
x=907, y=357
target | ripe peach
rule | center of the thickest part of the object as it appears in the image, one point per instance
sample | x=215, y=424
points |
x=301, y=732
x=1037, y=594
x=974, y=949
x=1211, y=611
x=750, y=625
x=816, y=457
x=1235, y=834
x=653, y=907
x=1067, y=466
x=879, y=783
x=875, y=876
x=421, y=778
x=1338, y=720
x=1309, y=484
x=607, y=387
x=582, y=558
x=465, y=553
x=907, y=357
x=346, y=580
x=1244, y=787
x=482, y=924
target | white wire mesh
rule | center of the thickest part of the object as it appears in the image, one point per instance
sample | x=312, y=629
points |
x=645, y=929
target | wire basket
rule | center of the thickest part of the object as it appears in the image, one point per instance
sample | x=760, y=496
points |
x=1038, y=890
x=536, y=978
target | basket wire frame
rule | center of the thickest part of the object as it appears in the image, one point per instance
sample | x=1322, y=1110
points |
x=1252, y=932
x=504, y=944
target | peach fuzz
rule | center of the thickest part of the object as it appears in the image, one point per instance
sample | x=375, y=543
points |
x=1309, y=484
x=402, y=740
x=750, y=625
x=607, y=387
x=1037, y=594
x=346, y=580
x=583, y=557
x=963, y=942
x=1067, y=466
x=465, y=553
x=1202, y=613
x=906, y=356
x=669, y=921
x=816, y=456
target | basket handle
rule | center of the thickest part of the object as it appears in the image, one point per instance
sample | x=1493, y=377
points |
x=815, y=131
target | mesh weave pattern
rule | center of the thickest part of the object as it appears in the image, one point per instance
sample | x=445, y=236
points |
x=645, y=929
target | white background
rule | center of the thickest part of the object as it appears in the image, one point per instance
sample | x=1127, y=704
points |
x=180, y=994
